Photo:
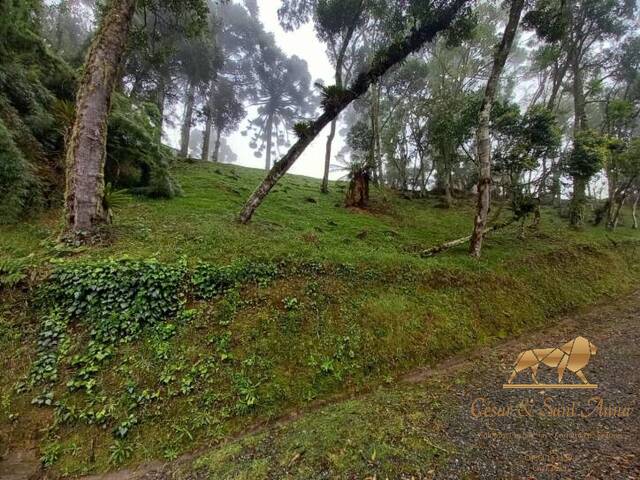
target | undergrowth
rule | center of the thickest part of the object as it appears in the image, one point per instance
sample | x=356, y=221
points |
x=138, y=359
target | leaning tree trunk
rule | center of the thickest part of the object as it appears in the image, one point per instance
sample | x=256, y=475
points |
x=386, y=59
x=86, y=149
x=484, y=138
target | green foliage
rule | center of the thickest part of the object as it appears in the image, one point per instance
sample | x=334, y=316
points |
x=547, y=19
x=116, y=300
x=303, y=129
x=333, y=96
x=14, y=270
x=210, y=280
x=523, y=139
x=590, y=151
x=17, y=182
x=136, y=157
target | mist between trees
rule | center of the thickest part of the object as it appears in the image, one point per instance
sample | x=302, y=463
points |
x=525, y=103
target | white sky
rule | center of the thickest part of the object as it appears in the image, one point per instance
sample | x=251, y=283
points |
x=303, y=43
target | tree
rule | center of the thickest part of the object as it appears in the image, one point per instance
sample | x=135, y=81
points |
x=431, y=22
x=282, y=96
x=85, y=156
x=484, y=134
x=86, y=148
x=336, y=22
x=624, y=167
x=227, y=113
x=587, y=157
x=197, y=62
x=581, y=29
x=520, y=141
x=359, y=167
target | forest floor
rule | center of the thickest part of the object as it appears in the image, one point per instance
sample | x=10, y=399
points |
x=311, y=308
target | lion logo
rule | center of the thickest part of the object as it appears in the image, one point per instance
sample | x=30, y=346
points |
x=572, y=356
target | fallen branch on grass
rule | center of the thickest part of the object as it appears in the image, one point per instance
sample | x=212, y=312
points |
x=429, y=252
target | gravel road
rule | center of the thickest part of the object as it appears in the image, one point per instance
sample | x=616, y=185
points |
x=552, y=433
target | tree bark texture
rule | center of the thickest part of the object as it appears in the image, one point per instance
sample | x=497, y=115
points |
x=206, y=137
x=484, y=135
x=387, y=59
x=358, y=192
x=269, y=134
x=86, y=149
x=324, y=188
x=187, y=120
x=216, y=150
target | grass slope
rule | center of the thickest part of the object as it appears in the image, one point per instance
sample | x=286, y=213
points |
x=351, y=306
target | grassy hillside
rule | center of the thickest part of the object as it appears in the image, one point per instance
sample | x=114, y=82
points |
x=185, y=327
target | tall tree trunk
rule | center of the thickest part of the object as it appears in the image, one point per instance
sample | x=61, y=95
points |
x=634, y=210
x=187, y=119
x=205, y=153
x=386, y=59
x=377, y=161
x=86, y=149
x=578, y=198
x=484, y=135
x=616, y=214
x=269, y=134
x=216, y=150
x=206, y=137
x=324, y=188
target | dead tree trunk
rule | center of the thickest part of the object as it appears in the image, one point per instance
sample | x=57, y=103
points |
x=429, y=252
x=86, y=148
x=484, y=138
x=358, y=193
x=188, y=118
x=384, y=61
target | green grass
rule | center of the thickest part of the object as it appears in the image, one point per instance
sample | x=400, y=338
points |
x=344, y=440
x=295, y=220
x=352, y=308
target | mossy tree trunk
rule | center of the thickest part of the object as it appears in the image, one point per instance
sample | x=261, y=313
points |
x=579, y=197
x=484, y=135
x=86, y=149
x=385, y=59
